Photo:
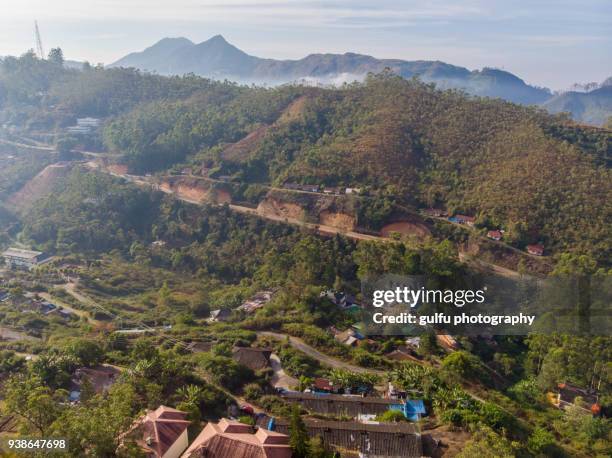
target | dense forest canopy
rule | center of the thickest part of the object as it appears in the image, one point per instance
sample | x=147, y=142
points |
x=540, y=177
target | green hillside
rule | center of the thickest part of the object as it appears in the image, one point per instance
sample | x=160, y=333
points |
x=540, y=177
x=405, y=141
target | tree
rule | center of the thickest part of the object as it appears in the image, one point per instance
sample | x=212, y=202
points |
x=553, y=369
x=164, y=295
x=428, y=344
x=298, y=435
x=191, y=397
x=485, y=443
x=93, y=428
x=304, y=382
x=87, y=352
x=56, y=56
x=540, y=442
x=463, y=365
x=318, y=450
x=87, y=390
x=54, y=369
x=65, y=144
x=252, y=392
x=36, y=405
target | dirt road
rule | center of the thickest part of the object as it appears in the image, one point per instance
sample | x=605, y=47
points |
x=79, y=313
x=281, y=379
x=321, y=228
x=324, y=359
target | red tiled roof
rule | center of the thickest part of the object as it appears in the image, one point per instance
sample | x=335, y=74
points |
x=494, y=235
x=323, y=384
x=156, y=431
x=536, y=249
x=467, y=219
x=231, y=439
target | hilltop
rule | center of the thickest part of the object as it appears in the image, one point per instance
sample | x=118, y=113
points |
x=592, y=107
x=216, y=58
x=405, y=142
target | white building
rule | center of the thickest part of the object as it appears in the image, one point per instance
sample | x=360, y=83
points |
x=88, y=122
x=16, y=257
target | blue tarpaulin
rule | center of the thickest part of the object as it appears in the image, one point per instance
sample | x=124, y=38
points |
x=412, y=409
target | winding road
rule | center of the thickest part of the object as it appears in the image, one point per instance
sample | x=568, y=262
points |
x=324, y=359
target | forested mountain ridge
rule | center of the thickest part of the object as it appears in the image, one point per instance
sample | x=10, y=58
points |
x=541, y=177
x=216, y=58
x=404, y=140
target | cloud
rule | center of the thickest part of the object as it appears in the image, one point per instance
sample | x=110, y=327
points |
x=562, y=40
x=303, y=12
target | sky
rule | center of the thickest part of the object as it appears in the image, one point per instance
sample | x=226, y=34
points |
x=551, y=43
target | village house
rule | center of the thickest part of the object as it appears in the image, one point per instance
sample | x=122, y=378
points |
x=256, y=302
x=161, y=433
x=394, y=393
x=349, y=337
x=253, y=358
x=353, y=191
x=332, y=190
x=402, y=353
x=292, y=186
x=220, y=315
x=310, y=188
x=100, y=379
x=447, y=341
x=464, y=219
x=495, y=235
x=45, y=307
x=200, y=347
x=232, y=439
x=413, y=342
x=536, y=249
x=568, y=394
x=301, y=187
x=84, y=126
x=353, y=406
x=371, y=440
x=341, y=299
x=18, y=258
x=323, y=385
x=436, y=212
x=66, y=314
x=88, y=122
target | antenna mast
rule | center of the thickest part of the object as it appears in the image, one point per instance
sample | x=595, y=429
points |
x=39, y=46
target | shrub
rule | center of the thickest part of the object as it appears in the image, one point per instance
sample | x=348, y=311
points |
x=252, y=391
x=391, y=416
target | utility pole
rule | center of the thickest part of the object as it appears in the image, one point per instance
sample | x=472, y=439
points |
x=39, y=46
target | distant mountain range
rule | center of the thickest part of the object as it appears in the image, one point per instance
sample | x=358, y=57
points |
x=593, y=107
x=218, y=59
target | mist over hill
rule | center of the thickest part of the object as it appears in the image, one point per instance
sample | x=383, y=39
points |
x=592, y=106
x=216, y=58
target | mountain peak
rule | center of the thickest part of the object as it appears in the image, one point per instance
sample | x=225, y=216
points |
x=218, y=38
x=172, y=43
